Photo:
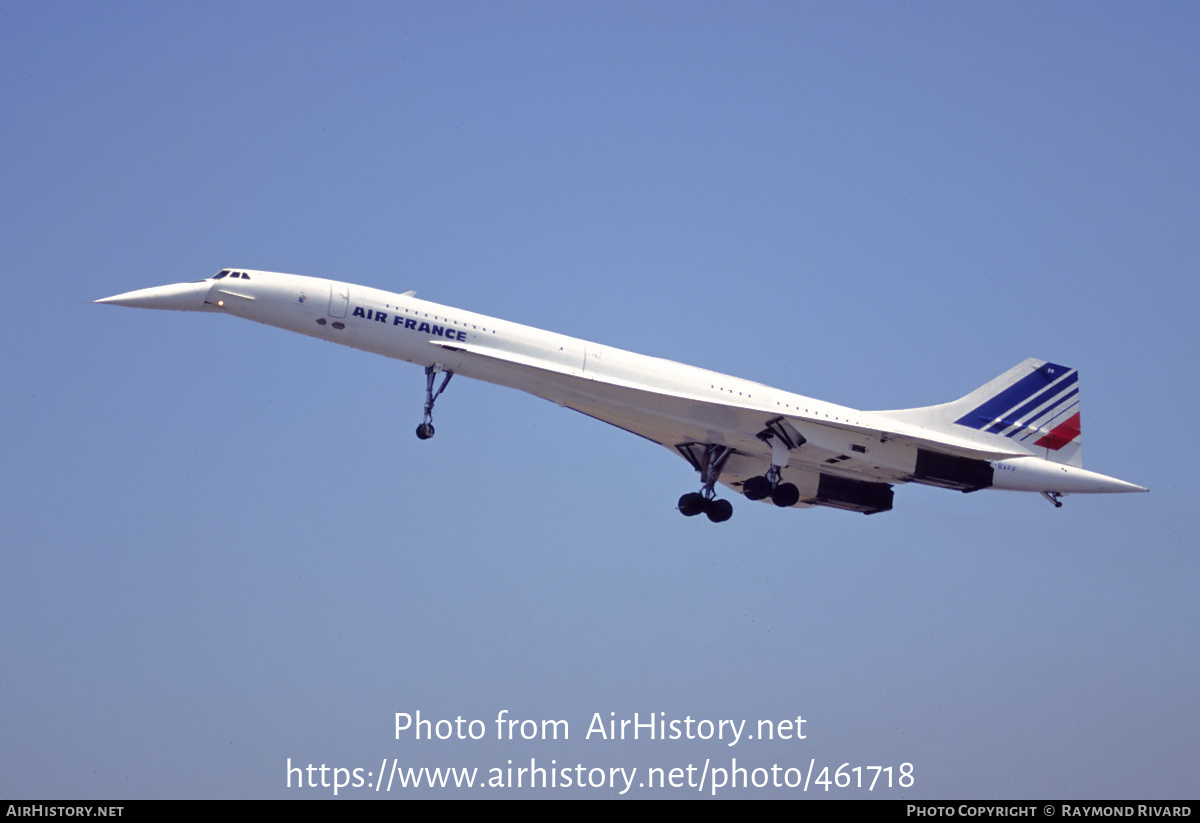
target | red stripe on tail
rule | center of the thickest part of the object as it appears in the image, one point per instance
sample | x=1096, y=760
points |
x=1061, y=435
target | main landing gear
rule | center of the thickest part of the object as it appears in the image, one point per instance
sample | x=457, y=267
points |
x=761, y=487
x=709, y=462
x=425, y=430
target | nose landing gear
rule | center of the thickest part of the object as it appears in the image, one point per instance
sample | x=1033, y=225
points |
x=425, y=430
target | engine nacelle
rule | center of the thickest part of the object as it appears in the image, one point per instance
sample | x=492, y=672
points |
x=951, y=472
x=852, y=495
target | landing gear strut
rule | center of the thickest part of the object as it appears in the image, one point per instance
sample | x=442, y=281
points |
x=1054, y=497
x=709, y=463
x=769, y=485
x=425, y=430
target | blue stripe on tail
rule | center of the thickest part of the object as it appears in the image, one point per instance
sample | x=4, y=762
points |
x=1028, y=392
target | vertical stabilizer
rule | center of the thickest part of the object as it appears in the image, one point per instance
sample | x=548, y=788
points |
x=1035, y=404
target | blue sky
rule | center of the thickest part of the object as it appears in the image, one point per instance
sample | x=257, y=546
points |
x=225, y=548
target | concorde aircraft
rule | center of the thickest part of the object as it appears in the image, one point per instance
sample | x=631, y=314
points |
x=1019, y=432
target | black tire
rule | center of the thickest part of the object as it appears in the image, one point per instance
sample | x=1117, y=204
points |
x=757, y=488
x=785, y=495
x=425, y=431
x=691, y=504
x=719, y=511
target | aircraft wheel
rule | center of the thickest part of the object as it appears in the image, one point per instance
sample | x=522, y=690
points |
x=691, y=504
x=719, y=511
x=757, y=488
x=785, y=495
x=425, y=431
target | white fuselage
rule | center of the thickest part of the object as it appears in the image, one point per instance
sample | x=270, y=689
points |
x=667, y=402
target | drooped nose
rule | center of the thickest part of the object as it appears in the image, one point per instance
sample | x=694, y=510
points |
x=177, y=297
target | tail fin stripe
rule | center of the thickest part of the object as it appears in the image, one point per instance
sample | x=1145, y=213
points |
x=1034, y=427
x=1062, y=434
x=990, y=411
x=1014, y=418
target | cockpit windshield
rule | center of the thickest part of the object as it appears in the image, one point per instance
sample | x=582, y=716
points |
x=231, y=273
